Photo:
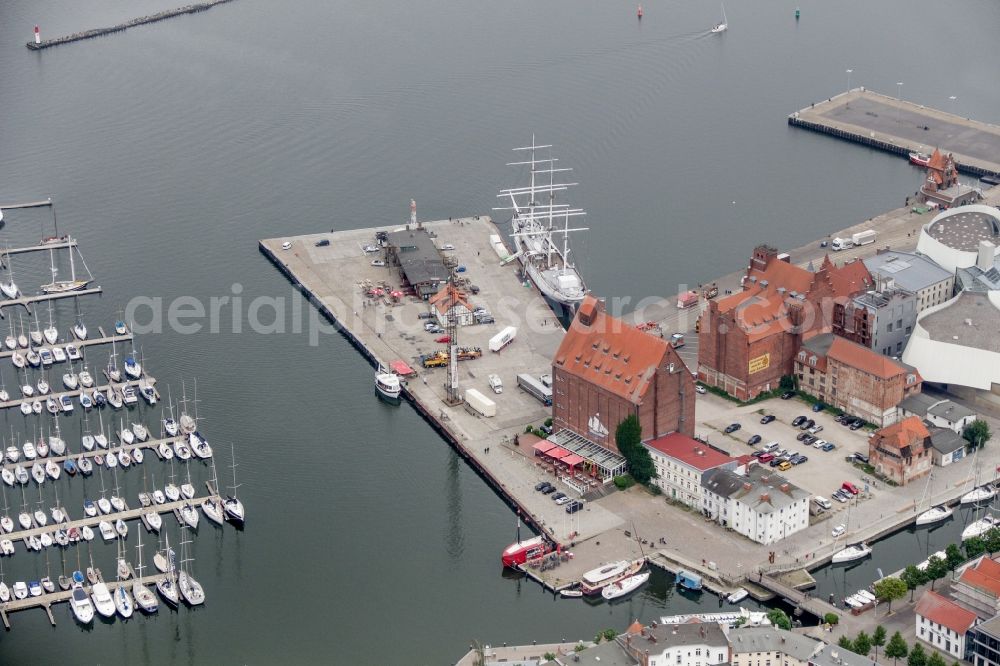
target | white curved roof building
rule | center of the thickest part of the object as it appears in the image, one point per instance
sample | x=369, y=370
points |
x=952, y=239
x=957, y=342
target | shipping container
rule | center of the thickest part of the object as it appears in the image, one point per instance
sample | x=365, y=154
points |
x=536, y=388
x=687, y=300
x=502, y=339
x=479, y=403
x=864, y=237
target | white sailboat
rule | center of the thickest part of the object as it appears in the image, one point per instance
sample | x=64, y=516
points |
x=144, y=598
x=167, y=586
x=624, y=586
x=853, y=552
x=9, y=288
x=721, y=27
x=123, y=598
x=63, y=286
x=934, y=515
x=232, y=506
x=191, y=589
x=51, y=333
x=977, y=495
x=979, y=527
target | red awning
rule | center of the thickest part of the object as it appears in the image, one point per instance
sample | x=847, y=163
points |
x=557, y=452
x=401, y=369
x=544, y=446
x=572, y=460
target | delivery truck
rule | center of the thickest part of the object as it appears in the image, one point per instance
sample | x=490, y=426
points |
x=479, y=403
x=864, y=237
x=535, y=388
x=502, y=339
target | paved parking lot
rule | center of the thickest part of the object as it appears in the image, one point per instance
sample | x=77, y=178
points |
x=823, y=473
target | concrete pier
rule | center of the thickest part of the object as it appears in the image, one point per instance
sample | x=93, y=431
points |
x=901, y=127
x=142, y=20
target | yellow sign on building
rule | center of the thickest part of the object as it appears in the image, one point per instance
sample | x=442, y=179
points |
x=759, y=363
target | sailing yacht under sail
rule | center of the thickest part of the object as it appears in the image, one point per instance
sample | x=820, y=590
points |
x=533, y=224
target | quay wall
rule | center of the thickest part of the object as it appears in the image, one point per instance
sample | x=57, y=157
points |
x=428, y=415
x=142, y=20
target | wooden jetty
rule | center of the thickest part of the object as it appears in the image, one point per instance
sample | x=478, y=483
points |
x=40, y=247
x=148, y=444
x=80, y=344
x=142, y=20
x=39, y=298
x=900, y=127
x=151, y=381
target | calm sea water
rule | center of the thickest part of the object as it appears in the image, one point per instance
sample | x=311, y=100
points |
x=170, y=149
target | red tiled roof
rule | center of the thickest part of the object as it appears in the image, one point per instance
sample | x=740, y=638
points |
x=689, y=451
x=908, y=432
x=449, y=296
x=985, y=576
x=863, y=358
x=611, y=354
x=945, y=612
x=850, y=278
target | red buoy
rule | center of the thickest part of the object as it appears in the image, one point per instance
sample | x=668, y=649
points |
x=640, y=12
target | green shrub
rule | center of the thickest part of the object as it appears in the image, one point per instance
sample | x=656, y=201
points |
x=548, y=422
x=623, y=481
x=831, y=618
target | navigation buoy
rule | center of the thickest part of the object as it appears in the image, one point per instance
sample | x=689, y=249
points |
x=38, y=36
x=639, y=13
x=797, y=13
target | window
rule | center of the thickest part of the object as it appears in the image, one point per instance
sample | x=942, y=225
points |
x=889, y=327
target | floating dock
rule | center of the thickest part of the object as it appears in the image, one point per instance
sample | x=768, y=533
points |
x=142, y=20
x=902, y=127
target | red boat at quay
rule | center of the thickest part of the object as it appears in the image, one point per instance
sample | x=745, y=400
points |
x=520, y=552
x=920, y=159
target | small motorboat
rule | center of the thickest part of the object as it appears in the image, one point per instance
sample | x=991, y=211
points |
x=120, y=328
x=36, y=407
x=98, y=398
x=124, y=459
x=29, y=451
x=104, y=505
x=148, y=393
x=86, y=401
x=158, y=496
x=20, y=590
x=99, y=460
x=182, y=450
x=45, y=355
x=83, y=610
x=27, y=390
x=58, y=354
x=571, y=594
x=853, y=552
x=737, y=595
x=128, y=395
x=70, y=467
x=132, y=367
x=919, y=159
x=6, y=547
x=51, y=405
x=21, y=474
x=123, y=602
x=73, y=352
x=388, y=386
x=86, y=380
x=170, y=427
x=102, y=599
x=107, y=531
x=47, y=584
x=121, y=528
x=89, y=508
x=34, y=588
x=66, y=402
x=61, y=537
x=4, y=396
x=934, y=515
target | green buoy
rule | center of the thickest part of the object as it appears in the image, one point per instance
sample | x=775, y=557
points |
x=797, y=13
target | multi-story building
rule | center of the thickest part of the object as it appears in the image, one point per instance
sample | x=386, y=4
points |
x=748, y=340
x=983, y=643
x=853, y=378
x=606, y=370
x=931, y=284
x=451, y=302
x=943, y=624
x=902, y=451
x=762, y=505
x=682, y=464
x=937, y=412
x=978, y=588
x=881, y=319
x=702, y=644
x=769, y=646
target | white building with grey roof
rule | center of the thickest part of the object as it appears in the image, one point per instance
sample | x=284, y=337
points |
x=763, y=506
x=931, y=284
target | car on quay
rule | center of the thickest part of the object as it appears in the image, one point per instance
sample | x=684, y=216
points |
x=447, y=246
x=574, y=506
x=819, y=443
x=548, y=491
x=767, y=418
x=425, y=315
x=785, y=465
x=840, y=496
x=788, y=395
x=564, y=500
x=323, y=242
x=765, y=458
x=732, y=427
x=558, y=496
x=542, y=485
x=799, y=459
x=758, y=454
x=799, y=420
x=838, y=530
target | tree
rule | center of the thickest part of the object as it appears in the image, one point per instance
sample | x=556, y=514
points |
x=889, y=589
x=628, y=437
x=936, y=568
x=896, y=648
x=953, y=556
x=831, y=618
x=863, y=644
x=846, y=643
x=878, y=639
x=936, y=660
x=914, y=578
x=549, y=656
x=917, y=656
x=991, y=540
x=787, y=383
x=609, y=634
x=976, y=433
x=780, y=619
x=974, y=547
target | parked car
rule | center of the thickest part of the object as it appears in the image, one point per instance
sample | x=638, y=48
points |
x=541, y=484
x=371, y=248
x=839, y=496
x=838, y=530
x=861, y=457
x=805, y=425
x=564, y=500
x=287, y=245
x=857, y=423
x=799, y=420
x=850, y=487
x=816, y=429
x=732, y=427
x=444, y=339
x=799, y=459
x=323, y=242
x=548, y=491
x=808, y=439
x=765, y=458
x=700, y=389
x=801, y=436
x=573, y=507
x=819, y=443
x=818, y=407
x=842, y=419
x=767, y=418
x=771, y=447
x=426, y=315
x=558, y=496
x=754, y=439
x=758, y=454
x=788, y=395
x=829, y=446
x=785, y=465
x=775, y=462
x=547, y=429
x=447, y=246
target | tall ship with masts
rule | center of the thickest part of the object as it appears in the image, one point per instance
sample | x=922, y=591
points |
x=536, y=219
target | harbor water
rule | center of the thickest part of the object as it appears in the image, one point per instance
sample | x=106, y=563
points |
x=170, y=149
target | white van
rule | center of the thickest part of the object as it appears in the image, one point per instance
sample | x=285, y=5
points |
x=823, y=503
x=496, y=384
x=771, y=447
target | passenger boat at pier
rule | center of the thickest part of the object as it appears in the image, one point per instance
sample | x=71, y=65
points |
x=688, y=580
x=520, y=552
x=597, y=579
x=919, y=159
x=388, y=386
x=533, y=224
